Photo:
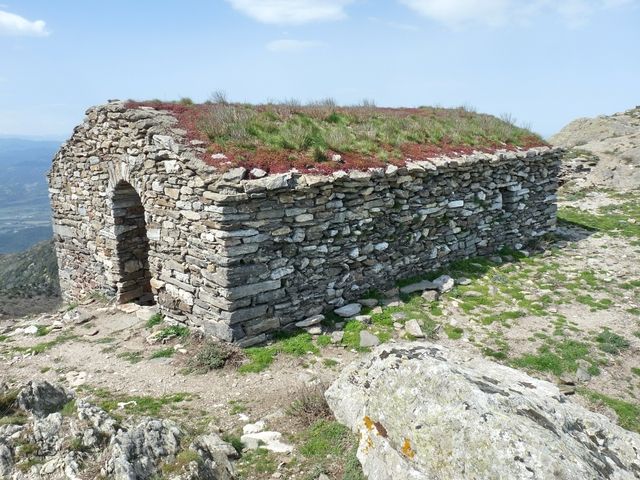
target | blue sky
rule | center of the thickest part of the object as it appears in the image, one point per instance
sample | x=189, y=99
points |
x=545, y=62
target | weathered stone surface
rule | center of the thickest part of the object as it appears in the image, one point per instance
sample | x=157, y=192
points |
x=444, y=283
x=42, y=398
x=423, y=411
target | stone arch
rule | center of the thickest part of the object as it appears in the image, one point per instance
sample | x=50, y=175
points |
x=131, y=274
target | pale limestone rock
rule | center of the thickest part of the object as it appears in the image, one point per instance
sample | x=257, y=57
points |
x=423, y=411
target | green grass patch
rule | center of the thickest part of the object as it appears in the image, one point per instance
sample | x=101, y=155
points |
x=69, y=409
x=351, y=336
x=295, y=344
x=179, y=331
x=501, y=317
x=611, y=342
x=595, y=305
x=44, y=346
x=236, y=407
x=256, y=462
x=628, y=413
x=454, y=333
x=631, y=285
x=635, y=371
x=131, y=357
x=323, y=341
x=155, y=319
x=324, y=438
x=612, y=221
x=557, y=358
x=234, y=441
x=163, y=353
x=182, y=460
x=42, y=330
x=494, y=353
x=141, y=405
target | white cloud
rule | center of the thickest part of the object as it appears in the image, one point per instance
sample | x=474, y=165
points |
x=292, y=12
x=14, y=25
x=290, y=45
x=396, y=25
x=456, y=13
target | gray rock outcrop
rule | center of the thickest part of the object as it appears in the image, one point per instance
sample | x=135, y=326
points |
x=54, y=446
x=606, y=150
x=425, y=412
x=42, y=398
x=135, y=453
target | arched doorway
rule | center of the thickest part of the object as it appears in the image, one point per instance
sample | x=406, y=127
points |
x=132, y=246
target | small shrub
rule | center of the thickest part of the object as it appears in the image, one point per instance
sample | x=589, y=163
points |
x=69, y=409
x=7, y=402
x=210, y=356
x=309, y=404
x=42, y=330
x=234, y=440
x=76, y=445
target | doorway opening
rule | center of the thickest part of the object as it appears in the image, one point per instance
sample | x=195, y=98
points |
x=132, y=247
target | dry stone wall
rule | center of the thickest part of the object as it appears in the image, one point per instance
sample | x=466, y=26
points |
x=242, y=258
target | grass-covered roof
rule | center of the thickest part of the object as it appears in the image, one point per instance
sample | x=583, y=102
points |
x=323, y=136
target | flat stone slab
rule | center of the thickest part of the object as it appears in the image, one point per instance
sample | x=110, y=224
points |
x=368, y=339
x=349, y=310
x=308, y=322
x=271, y=441
x=419, y=287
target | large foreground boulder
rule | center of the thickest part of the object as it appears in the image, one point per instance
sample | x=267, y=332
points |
x=425, y=412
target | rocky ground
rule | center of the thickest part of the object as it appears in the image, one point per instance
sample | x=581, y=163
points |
x=603, y=151
x=566, y=309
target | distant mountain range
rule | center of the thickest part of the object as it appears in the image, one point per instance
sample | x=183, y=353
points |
x=25, y=214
